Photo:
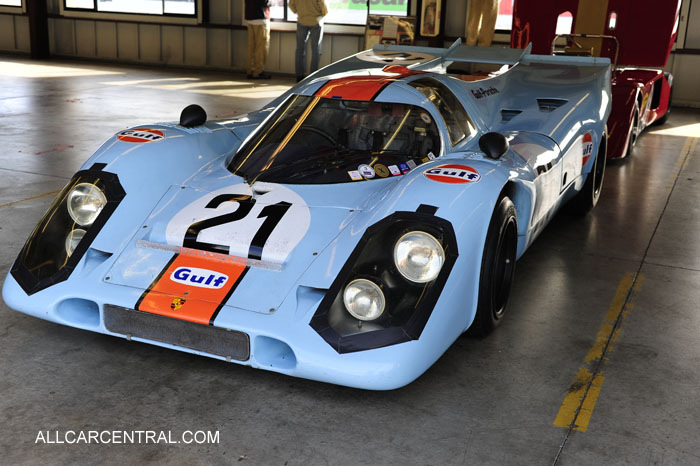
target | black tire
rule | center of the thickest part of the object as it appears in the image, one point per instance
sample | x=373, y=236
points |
x=664, y=118
x=633, y=133
x=588, y=197
x=497, y=268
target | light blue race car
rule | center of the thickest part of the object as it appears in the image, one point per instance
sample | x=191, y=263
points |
x=349, y=232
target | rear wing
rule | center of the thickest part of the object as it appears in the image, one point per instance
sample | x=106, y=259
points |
x=536, y=72
x=456, y=53
x=437, y=59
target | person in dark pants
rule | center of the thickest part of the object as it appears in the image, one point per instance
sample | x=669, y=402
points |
x=257, y=16
x=310, y=15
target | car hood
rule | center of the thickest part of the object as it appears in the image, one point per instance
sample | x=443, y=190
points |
x=262, y=237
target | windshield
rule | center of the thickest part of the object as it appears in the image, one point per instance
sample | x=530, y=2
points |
x=319, y=140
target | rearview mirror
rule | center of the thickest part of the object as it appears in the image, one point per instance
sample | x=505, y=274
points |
x=494, y=145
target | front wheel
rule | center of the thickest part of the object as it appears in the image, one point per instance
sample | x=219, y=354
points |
x=497, y=268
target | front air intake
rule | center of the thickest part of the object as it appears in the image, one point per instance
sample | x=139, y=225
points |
x=213, y=340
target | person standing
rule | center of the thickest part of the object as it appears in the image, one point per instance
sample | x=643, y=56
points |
x=310, y=15
x=481, y=22
x=257, y=16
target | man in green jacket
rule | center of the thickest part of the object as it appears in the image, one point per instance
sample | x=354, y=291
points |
x=310, y=15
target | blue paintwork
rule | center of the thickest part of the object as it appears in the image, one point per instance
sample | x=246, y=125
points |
x=275, y=306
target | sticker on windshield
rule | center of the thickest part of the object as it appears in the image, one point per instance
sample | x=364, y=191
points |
x=431, y=156
x=381, y=170
x=355, y=175
x=453, y=174
x=411, y=164
x=425, y=117
x=394, y=170
x=366, y=171
x=404, y=168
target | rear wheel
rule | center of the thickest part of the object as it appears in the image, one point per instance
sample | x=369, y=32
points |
x=497, y=268
x=663, y=119
x=633, y=133
x=588, y=197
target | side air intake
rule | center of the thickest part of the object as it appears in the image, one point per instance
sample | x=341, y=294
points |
x=549, y=105
x=507, y=115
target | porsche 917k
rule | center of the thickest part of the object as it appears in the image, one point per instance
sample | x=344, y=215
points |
x=349, y=232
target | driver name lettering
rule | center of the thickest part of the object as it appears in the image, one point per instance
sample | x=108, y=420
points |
x=481, y=92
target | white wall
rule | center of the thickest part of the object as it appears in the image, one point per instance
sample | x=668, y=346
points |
x=223, y=46
x=686, y=66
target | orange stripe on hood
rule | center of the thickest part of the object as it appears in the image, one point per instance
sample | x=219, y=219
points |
x=192, y=288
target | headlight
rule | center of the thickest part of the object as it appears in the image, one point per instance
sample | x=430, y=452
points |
x=85, y=202
x=67, y=229
x=419, y=256
x=73, y=239
x=363, y=299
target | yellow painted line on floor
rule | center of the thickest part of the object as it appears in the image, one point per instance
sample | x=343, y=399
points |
x=38, y=196
x=688, y=148
x=578, y=405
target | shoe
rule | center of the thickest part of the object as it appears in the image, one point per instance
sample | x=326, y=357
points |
x=249, y=76
x=300, y=78
x=262, y=75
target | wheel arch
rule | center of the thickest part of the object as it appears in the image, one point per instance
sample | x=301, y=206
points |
x=522, y=200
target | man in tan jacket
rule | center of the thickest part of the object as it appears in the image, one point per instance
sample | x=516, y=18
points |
x=310, y=15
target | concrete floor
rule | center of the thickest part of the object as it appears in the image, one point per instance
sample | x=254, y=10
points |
x=603, y=322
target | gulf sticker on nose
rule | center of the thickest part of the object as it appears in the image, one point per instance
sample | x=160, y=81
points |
x=140, y=135
x=453, y=173
x=587, y=148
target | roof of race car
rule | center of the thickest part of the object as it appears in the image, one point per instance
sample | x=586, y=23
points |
x=363, y=87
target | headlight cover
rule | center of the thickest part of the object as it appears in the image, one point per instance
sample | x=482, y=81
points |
x=419, y=256
x=407, y=303
x=59, y=241
x=85, y=202
x=364, y=300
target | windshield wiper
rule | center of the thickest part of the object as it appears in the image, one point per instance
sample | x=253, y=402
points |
x=338, y=163
x=321, y=157
x=294, y=163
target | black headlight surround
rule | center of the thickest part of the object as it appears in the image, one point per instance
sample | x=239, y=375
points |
x=373, y=259
x=50, y=234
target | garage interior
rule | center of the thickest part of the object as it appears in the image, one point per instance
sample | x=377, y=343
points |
x=597, y=363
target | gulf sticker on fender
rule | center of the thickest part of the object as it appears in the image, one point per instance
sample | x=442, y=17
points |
x=192, y=288
x=587, y=148
x=140, y=135
x=453, y=173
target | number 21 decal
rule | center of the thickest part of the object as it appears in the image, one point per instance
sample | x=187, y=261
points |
x=232, y=221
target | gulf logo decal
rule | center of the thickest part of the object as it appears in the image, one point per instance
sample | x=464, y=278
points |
x=201, y=278
x=587, y=148
x=141, y=135
x=191, y=280
x=453, y=173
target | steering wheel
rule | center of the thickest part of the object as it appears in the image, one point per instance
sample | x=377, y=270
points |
x=318, y=132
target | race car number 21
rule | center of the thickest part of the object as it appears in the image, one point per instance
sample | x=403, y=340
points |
x=272, y=213
x=232, y=221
